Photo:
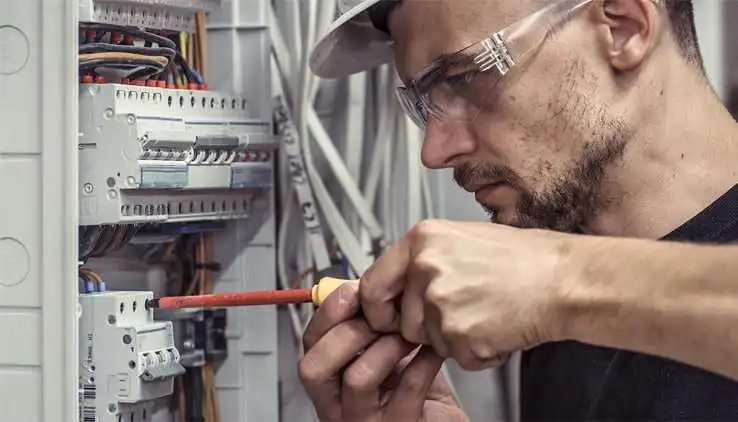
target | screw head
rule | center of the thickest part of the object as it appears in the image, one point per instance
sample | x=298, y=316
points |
x=109, y=113
x=126, y=339
x=88, y=188
x=131, y=119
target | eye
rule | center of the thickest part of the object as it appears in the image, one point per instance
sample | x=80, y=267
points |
x=461, y=80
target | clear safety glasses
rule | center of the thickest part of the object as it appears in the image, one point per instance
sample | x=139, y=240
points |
x=456, y=86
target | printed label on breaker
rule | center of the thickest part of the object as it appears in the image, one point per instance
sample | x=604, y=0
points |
x=163, y=177
x=251, y=177
x=87, y=397
x=88, y=414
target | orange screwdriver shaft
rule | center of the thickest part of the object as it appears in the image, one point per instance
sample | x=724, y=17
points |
x=317, y=294
x=222, y=300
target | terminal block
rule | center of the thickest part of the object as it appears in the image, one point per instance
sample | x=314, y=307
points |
x=173, y=15
x=127, y=360
x=151, y=154
x=202, y=336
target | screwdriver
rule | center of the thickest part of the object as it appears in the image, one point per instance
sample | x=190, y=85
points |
x=316, y=294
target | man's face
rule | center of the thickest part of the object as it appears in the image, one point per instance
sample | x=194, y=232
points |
x=536, y=152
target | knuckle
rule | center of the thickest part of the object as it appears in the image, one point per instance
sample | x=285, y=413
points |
x=436, y=295
x=310, y=373
x=426, y=262
x=450, y=329
x=358, y=378
x=424, y=228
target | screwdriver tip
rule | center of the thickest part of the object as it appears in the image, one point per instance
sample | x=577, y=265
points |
x=152, y=304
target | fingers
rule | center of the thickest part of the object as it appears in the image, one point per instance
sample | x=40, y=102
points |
x=320, y=368
x=362, y=381
x=382, y=283
x=408, y=399
x=334, y=351
x=412, y=314
x=432, y=324
x=341, y=305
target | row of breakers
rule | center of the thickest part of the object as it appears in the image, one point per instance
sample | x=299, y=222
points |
x=151, y=154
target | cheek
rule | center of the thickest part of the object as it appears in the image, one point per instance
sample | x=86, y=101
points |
x=521, y=131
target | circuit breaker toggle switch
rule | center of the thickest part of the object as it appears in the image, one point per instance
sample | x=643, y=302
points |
x=161, y=365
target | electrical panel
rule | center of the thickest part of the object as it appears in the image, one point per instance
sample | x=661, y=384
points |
x=127, y=360
x=137, y=139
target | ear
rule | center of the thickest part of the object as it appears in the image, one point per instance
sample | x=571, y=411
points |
x=628, y=30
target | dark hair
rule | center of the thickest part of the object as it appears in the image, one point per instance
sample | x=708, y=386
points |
x=681, y=15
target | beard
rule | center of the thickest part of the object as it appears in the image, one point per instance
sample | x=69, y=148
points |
x=572, y=199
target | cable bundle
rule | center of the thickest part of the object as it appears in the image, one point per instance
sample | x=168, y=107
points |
x=96, y=241
x=141, y=55
x=91, y=280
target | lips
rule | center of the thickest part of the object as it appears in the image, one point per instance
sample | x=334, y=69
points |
x=486, y=191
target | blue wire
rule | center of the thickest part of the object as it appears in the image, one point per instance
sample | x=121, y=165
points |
x=88, y=284
x=199, y=78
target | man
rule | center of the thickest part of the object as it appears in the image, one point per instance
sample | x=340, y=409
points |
x=575, y=116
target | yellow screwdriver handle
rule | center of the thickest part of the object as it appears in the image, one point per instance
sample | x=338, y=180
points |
x=326, y=286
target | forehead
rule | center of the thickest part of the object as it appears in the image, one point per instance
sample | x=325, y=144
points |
x=424, y=30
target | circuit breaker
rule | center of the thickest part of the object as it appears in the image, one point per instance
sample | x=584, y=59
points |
x=127, y=360
x=150, y=154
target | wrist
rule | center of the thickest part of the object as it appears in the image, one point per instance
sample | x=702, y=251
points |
x=580, y=291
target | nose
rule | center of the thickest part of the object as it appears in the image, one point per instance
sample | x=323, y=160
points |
x=445, y=144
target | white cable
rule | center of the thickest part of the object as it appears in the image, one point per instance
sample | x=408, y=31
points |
x=304, y=258
x=342, y=173
x=349, y=244
x=387, y=110
x=353, y=150
x=297, y=165
x=386, y=202
x=303, y=171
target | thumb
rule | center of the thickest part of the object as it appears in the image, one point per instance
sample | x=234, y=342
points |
x=410, y=395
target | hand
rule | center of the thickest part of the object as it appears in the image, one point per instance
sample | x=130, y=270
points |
x=354, y=374
x=475, y=291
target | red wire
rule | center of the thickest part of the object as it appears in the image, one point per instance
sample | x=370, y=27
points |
x=223, y=300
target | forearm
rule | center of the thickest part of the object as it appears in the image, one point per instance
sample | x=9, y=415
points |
x=674, y=300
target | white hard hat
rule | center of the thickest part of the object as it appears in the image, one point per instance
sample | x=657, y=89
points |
x=352, y=43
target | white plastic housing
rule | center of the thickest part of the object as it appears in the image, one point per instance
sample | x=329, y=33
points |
x=175, y=15
x=162, y=155
x=126, y=358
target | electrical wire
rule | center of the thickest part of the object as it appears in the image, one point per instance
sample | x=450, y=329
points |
x=151, y=65
x=132, y=31
x=169, y=53
x=202, y=44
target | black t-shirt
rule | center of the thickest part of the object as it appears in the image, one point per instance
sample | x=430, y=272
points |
x=570, y=381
